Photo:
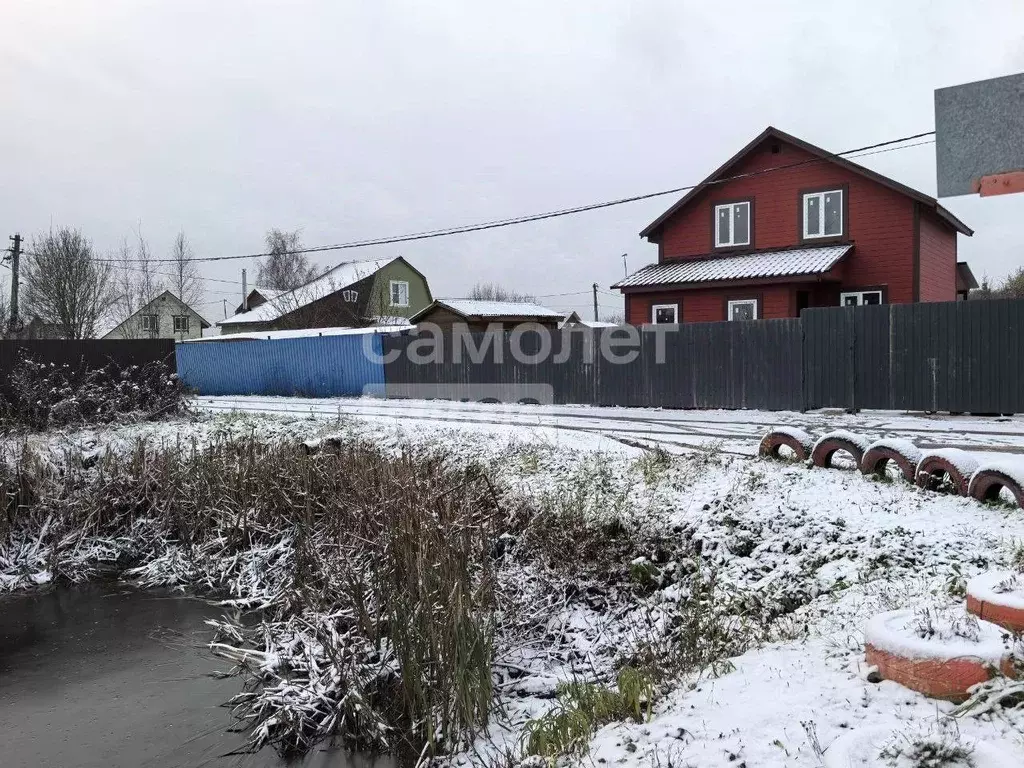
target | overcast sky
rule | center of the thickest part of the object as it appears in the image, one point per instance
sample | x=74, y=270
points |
x=351, y=120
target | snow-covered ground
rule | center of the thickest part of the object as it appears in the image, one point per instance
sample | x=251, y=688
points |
x=674, y=430
x=827, y=549
x=840, y=546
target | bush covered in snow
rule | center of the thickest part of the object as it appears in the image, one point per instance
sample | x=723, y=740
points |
x=40, y=395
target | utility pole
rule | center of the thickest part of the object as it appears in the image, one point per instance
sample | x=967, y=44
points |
x=595, y=302
x=245, y=294
x=15, y=264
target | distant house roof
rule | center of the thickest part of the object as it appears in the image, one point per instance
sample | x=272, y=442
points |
x=792, y=262
x=332, y=280
x=304, y=333
x=574, y=319
x=263, y=294
x=476, y=309
x=651, y=230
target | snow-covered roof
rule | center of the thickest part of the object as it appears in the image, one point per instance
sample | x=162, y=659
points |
x=596, y=324
x=302, y=333
x=478, y=308
x=795, y=261
x=283, y=302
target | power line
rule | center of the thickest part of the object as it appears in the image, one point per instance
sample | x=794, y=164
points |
x=495, y=224
x=552, y=295
x=124, y=265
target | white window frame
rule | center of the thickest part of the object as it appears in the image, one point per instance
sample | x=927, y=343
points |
x=821, y=213
x=391, y=292
x=175, y=323
x=673, y=307
x=732, y=243
x=740, y=302
x=146, y=325
x=860, y=297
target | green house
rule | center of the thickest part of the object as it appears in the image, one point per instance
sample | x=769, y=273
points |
x=353, y=294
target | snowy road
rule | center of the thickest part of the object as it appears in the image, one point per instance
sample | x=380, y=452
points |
x=737, y=431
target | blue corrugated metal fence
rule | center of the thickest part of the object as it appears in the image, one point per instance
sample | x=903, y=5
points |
x=322, y=366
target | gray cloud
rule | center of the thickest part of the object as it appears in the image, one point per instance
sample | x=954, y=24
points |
x=353, y=120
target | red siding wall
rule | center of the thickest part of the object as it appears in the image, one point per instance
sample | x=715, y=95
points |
x=708, y=306
x=880, y=220
x=938, y=259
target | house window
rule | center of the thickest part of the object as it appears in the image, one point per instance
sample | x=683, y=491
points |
x=859, y=298
x=823, y=214
x=181, y=323
x=665, y=314
x=399, y=293
x=149, y=323
x=743, y=309
x=732, y=224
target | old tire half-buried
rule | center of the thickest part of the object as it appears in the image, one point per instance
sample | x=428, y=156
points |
x=902, y=453
x=951, y=463
x=939, y=669
x=988, y=481
x=827, y=445
x=998, y=597
x=796, y=440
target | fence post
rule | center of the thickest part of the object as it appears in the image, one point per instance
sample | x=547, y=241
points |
x=803, y=363
x=851, y=356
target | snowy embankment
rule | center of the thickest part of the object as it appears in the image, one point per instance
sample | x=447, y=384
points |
x=802, y=560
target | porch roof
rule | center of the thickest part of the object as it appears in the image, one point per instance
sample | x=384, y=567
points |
x=750, y=266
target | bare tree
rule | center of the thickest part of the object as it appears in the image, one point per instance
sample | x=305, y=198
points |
x=286, y=267
x=136, y=284
x=66, y=285
x=125, y=286
x=495, y=292
x=184, y=279
x=147, y=281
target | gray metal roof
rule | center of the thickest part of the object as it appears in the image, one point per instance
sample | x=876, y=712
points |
x=796, y=261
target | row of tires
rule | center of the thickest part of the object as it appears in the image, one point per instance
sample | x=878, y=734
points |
x=956, y=470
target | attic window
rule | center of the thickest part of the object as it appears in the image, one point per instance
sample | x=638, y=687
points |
x=399, y=293
x=776, y=148
x=823, y=214
x=149, y=323
x=732, y=224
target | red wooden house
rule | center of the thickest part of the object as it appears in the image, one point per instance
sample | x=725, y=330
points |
x=784, y=225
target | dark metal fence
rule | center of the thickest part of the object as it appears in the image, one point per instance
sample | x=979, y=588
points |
x=955, y=356
x=88, y=354
x=706, y=365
